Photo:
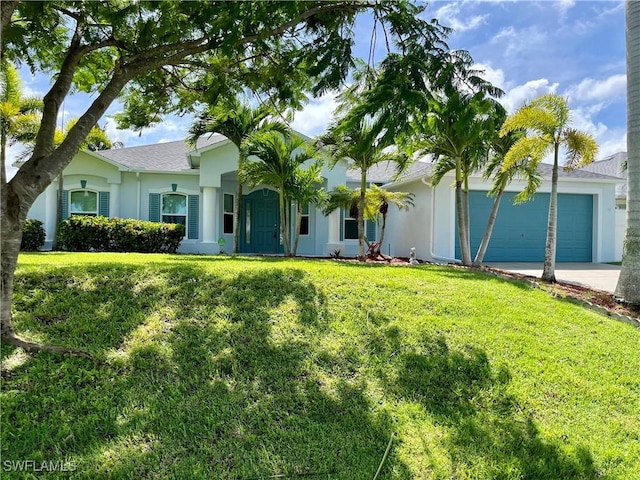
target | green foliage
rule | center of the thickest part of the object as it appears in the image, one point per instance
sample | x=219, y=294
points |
x=225, y=367
x=33, y=235
x=101, y=234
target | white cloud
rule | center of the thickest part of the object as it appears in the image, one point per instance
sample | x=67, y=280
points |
x=493, y=75
x=611, y=88
x=450, y=16
x=515, y=97
x=563, y=6
x=520, y=42
x=172, y=128
x=314, y=118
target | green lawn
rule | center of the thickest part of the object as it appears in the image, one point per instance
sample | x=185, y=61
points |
x=248, y=368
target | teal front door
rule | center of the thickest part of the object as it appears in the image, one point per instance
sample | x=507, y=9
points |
x=261, y=224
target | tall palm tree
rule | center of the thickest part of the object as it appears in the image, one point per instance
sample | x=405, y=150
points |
x=457, y=132
x=381, y=198
x=546, y=120
x=279, y=159
x=499, y=148
x=19, y=115
x=358, y=143
x=237, y=121
x=628, y=287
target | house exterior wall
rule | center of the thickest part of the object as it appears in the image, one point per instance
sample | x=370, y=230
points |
x=406, y=230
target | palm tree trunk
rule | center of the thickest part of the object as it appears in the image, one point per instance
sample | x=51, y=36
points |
x=361, y=206
x=283, y=223
x=549, y=271
x=628, y=287
x=382, y=230
x=298, y=223
x=463, y=228
x=487, y=233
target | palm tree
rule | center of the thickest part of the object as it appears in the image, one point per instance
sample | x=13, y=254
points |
x=358, y=143
x=237, y=121
x=499, y=148
x=381, y=198
x=457, y=132
x=19, y=115
x=546, y=120
x=279, y=159
x=304, y=190
x=628, y=287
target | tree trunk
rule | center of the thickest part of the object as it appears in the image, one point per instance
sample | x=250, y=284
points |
x=382, y=230
x=549, y=271
x=283, y=224
x=361, y=206
x=487, y=233
x=628, y=287
x=298, y=223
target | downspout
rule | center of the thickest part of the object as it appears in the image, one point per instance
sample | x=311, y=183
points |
x=433, y=222
x=138, y=193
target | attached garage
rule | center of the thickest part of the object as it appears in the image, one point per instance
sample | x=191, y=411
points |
x=519, y=234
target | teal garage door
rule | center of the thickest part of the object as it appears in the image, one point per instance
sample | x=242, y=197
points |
x=520, y=231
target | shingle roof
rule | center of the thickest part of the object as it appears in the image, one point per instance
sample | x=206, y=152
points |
x=166, y=157
x=612, y=165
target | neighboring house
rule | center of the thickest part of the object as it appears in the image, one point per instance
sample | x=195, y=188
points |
x=197, y=187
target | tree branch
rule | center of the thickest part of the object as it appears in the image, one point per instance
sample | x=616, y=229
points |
x=7, y=7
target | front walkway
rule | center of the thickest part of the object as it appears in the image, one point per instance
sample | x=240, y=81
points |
x=601, y=276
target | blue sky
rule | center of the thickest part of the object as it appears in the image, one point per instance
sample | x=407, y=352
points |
x=572, y=48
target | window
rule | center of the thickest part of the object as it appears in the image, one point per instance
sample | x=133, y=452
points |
x=350, y=227
x=83, y=202
x=174, y=208
x=304, y=220
x=227, y=210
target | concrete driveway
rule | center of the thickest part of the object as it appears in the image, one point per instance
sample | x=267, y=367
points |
x=601, y=276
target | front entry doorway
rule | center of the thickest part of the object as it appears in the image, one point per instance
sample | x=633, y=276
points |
x=260, y=232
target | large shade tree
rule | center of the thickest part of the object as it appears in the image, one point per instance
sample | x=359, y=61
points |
x=547, y=122
x=628, y=287
x=237, y=120
x=163, y=55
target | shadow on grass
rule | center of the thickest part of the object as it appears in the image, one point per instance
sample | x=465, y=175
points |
x=208, y=376
x=490, y=436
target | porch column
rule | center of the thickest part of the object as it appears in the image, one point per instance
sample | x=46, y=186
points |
x=334, y=226
x=209, y=214
x=51, y=209
x=333, y=233
x=114, y=200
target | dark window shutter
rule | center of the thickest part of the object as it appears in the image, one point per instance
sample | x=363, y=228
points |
x=370, y=230
x=193, y=220
x=65, y=204
x=103, y=203
x=154, y=207
x=341, y=224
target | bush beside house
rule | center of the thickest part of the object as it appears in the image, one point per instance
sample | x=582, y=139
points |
x=102, y=234
x=33, y=235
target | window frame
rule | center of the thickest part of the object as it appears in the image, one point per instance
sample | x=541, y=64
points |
x=84, y=191
x=304, y=215
x=344, y=226
x=186, y=207
x=225, y=213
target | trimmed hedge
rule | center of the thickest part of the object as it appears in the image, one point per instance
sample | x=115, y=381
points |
x=80, y=233
x=33, y=235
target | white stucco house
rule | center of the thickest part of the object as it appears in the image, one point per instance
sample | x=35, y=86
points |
x=197, y=187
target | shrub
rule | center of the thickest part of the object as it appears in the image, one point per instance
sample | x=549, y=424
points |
x=102, y=234
x=33, y=235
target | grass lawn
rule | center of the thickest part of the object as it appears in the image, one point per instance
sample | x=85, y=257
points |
x=251, y=368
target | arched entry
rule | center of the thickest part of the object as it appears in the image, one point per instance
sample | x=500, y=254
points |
x=260, y=223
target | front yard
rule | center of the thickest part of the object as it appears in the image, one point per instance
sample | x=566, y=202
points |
x=248, y=368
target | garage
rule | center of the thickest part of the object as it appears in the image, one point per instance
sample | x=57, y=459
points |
x=520, y=231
